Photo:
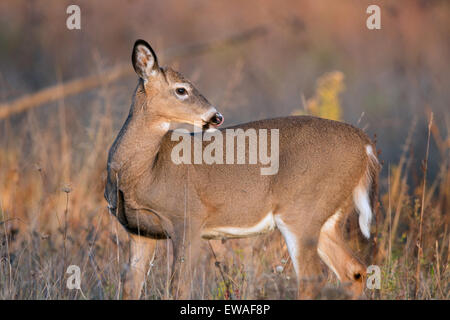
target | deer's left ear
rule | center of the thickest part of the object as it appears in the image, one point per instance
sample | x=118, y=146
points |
x=144, y=60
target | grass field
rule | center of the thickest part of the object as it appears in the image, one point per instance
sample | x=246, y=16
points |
x=47, y=225
x=311, y=57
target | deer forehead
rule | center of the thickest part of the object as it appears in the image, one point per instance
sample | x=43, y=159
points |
x=174, y=76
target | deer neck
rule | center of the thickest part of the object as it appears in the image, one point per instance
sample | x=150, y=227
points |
x=136, y=147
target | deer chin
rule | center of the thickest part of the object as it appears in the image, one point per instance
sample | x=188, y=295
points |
x=199, y=124
x=214, y=123
x=208, y=126
x=214, y=120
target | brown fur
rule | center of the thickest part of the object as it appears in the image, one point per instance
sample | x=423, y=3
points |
x=321, y=163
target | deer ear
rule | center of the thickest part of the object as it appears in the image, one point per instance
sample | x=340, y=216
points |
x=144, y=60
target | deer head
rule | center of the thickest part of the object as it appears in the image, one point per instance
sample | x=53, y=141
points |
x=167, y=95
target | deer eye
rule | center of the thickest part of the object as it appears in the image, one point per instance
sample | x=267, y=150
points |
x=181, y=91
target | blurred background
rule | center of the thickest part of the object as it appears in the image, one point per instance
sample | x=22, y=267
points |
x=253, y=60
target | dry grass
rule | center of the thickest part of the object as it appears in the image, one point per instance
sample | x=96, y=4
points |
x=53, y=215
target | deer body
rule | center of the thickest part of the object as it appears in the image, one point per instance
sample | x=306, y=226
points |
x=326, y=169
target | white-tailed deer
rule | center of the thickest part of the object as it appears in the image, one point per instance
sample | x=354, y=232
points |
x=327, y=169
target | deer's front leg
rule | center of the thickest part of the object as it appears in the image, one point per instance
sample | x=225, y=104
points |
x=142, y=252
x=186, y=249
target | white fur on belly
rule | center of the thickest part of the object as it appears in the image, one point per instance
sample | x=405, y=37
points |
x=265, y=225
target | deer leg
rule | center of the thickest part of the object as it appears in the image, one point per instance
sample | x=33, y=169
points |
x=185, y=257
x=301, y=241
x=337, y=256
x=310, y=278
x=142, y=252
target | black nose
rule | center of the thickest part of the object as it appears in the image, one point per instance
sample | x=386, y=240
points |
x=217, y=119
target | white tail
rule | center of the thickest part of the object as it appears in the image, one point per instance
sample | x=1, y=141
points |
x=362, y=204
x=361, y=194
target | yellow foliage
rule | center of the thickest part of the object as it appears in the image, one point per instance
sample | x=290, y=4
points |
x=325, y=102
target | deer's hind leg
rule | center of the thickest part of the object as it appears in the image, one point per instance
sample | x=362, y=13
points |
x=335, y=253
x=142, y=252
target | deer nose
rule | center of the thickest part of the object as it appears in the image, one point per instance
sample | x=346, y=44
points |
x=217, y=119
